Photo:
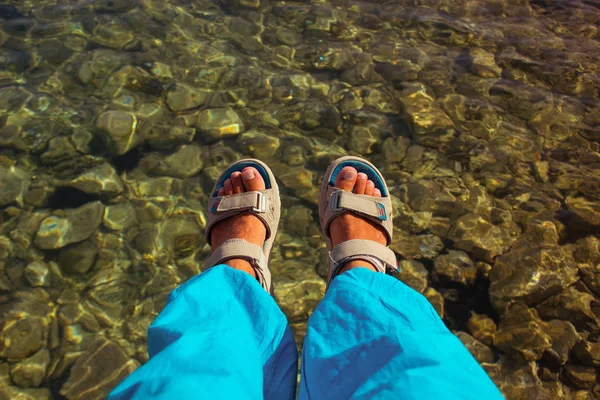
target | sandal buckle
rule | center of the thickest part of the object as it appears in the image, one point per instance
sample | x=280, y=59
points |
x=334, y=201
x=261, y=203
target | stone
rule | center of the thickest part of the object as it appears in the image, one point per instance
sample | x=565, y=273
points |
x=456, y=266
x=587, y=353
x=436, y=300
x=119, y=217
x=425, y=195
x=416, y=246
x=22, y=337
x=37, y=274
x=581, y=376
x=552, y=122
x=97, y=371
x=414, y=274
x=482, y=327
x=164, y=137
x=477, y=236
x=429, y=123
x=522, y=332
x=60, y=149
x=483, y=64
x=563, y=337
x=71, y=226
x=100, y=180
x=181, y=97
x=574, y=306
x=217, y=123
x=481, y=352
x=587, y=211
x=518, y=380
x=77, y=258
x=531, y=275
x=14, y=181
x=257, y=144
x=30, y=372
x=119, y=129
x=183, y=163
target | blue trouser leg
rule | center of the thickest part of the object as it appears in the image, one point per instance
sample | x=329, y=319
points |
x=374, y=337
x=220, y=336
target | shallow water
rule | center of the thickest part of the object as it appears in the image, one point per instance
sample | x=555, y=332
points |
x=117, y=116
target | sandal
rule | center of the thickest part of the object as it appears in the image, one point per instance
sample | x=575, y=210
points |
x=264, y=204
x=334, y=202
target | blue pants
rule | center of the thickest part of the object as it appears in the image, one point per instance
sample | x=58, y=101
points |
x=221, y=336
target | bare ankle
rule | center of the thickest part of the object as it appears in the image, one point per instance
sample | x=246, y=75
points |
x=241, y=265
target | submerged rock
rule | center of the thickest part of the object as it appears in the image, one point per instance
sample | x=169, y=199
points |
x=185, y=162
x=588, y=211
x=563, y=337
x=100, y=180
x=22, y=337
x=97, y=371
x=414, y=274
x=522, y=332
x=216, y=123
x=484, y=64
x=456, y=266
x=531, y=275
x=119, y=128
x=430, y=124
x=477, y=236
x=77, y=258
x=14, y=182
x=71, y=226
x=483, y=328
x=181, y=97
x=581, y=376
x=119, y=216
x=481, y=352
x=30, y=373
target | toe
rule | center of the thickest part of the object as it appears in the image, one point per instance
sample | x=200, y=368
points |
x=236, y=181
x=370, y=188
x=346, y=179
x=221, y=192
x=228, y=186
x=377, y=192
x=252, y=179
x=361, y=183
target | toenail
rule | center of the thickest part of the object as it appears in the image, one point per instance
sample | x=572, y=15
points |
x=349, y=174
x=248, y=174
x=362, y=175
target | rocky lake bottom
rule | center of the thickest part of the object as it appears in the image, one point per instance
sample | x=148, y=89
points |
x=117, y=116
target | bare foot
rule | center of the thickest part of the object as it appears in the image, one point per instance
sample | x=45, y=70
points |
x=351, y=226
x=244, y=225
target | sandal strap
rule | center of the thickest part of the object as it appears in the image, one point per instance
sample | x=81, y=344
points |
x=360, y=249
x=260, y=203
x=240, y=248
x=376, y=209
x=256, y=201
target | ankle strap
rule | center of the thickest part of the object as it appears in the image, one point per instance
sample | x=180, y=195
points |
x=380, y=256
x=239, y=248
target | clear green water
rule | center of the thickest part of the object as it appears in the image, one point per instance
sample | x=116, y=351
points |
x=117, y=116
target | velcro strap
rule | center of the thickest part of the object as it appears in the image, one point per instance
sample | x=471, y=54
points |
x=256, y=201
x=368, y=205
x=354, y=249
x=239, y=248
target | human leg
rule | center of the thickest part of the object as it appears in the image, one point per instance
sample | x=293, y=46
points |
x=372, y=336
x=221, y=335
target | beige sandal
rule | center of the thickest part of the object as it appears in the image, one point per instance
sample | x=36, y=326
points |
x=334, y=202
x=265, y=204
